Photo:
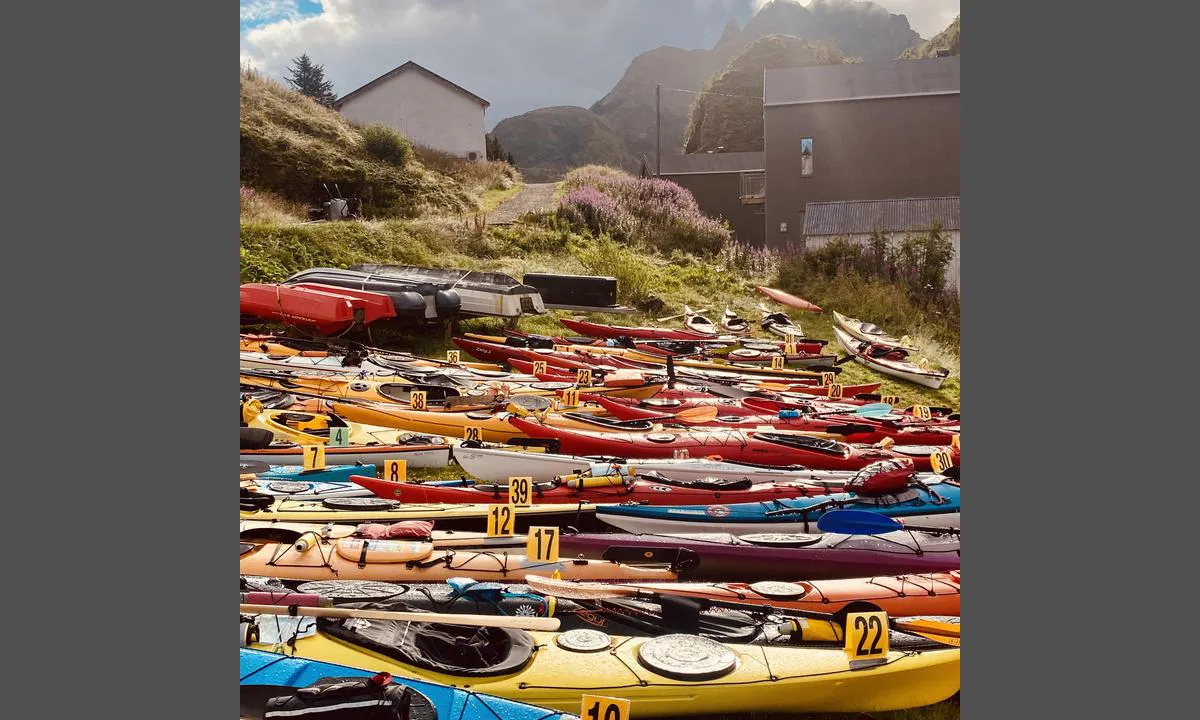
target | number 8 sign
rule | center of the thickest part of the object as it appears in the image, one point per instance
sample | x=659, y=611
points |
x=598, y=707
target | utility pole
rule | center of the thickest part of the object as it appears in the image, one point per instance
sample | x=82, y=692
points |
x=657, y=130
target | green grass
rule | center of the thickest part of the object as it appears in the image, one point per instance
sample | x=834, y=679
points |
x=495, y=197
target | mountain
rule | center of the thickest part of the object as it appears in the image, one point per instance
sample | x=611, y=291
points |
x=946, y=39
x=629, y=106
x=549, y=141
x=623, y=121
x=736, y=123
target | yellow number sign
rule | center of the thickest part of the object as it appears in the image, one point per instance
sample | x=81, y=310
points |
x=396, y=470
x=835, y=391
x=453, y=356
x=314, y=457
x=520, y=491
x=890, y=399
x=473, y=432
x=583, y=377
x=827, y=378
x=789, y=347
x=921, y=412
x=954, y=442
x=417, y=399
x=542, y=544
x=777, y=362
x=539, y=367
x=562, y=348
x=500, y=520
x=941, y=461
x=598, y=707
x=867, y=638
x=570, y=397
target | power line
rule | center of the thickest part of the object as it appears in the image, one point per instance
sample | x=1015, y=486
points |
x=709, y=92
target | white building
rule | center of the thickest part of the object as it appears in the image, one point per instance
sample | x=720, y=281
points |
x=424, y=107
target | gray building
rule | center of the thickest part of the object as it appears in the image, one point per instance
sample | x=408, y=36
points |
x=725, y=185
x=867, y=131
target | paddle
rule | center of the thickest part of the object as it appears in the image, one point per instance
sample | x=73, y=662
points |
x=516, y=621
x=692, y=415
x=946, y=633
x=865, y=522
x=689, y=312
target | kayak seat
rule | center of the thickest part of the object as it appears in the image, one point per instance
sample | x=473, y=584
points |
x=709, y=483
x=805, y=442
x=609, y=422
x=440, y=647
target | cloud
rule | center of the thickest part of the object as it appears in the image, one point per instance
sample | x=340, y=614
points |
x=517, y=54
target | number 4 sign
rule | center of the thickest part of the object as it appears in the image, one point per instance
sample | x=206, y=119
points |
x=598, y=707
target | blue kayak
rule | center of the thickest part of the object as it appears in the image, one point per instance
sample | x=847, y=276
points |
x=265, y=675
x=913, y=506
x=329, y=474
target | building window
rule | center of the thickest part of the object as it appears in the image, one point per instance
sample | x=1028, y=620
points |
x=806, y=157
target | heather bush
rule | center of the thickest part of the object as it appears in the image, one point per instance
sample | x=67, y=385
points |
x=651, y=211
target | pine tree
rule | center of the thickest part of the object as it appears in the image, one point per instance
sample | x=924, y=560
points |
x=509, y=159
x=309, y=79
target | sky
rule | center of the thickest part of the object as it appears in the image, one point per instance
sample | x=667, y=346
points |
x=516, y=54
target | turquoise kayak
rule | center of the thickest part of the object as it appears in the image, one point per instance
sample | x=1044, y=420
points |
x=265, y=675
x=933, y=504
x=329, y=474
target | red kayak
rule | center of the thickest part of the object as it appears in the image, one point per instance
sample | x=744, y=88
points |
x=495, y=352
x=854, y=428
x=591, y=329
x=327, y=313
x=757, y=446
x=377, y=305
x=656, y=491
x=788, y=299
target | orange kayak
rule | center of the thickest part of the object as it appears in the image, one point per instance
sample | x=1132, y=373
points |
x=899, y=595
x=788, y=299
x=418, y=561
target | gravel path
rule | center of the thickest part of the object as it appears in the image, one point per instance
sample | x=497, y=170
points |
x=534, y=196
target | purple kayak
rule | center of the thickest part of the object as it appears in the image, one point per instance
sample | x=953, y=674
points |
x=721, y=557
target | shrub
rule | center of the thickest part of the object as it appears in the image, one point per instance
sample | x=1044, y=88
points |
x=607, y=257
x=386, y=145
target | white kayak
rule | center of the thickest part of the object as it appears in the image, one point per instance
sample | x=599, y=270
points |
x=873, y=356
x=302, y=490
x=700, y=524
x=862, y=330
x=498, y=464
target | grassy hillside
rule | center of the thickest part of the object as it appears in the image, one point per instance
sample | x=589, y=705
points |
x=295, y=147
x=731, y=117
x=947, y=39
x=858, y=28
x=550, y=141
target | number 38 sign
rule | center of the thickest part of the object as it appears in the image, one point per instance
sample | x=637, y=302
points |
x=867, y=639
x=598, y=707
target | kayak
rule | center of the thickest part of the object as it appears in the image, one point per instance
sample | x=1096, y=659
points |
x=854, y=428
x=777, y=556
x=327, y=474
x=290, y=532
x=327, y=313
x=788, y=299
x=763, y=447
x=869, y=332
x=282, y=347
x=497, y=464
x=305, y=490
x=376, y=509
x=376, y=306
x=493, y=427
x=731, y=323
x=667, y=676
x=408, y=560
x=640, y=615
x=698, y=323
x=936, y=593
x=780, y=324
x=645, y=488
x=264, y=675
x=424, y=452
x=918, y=506
x=598, y=330
x=890, y=360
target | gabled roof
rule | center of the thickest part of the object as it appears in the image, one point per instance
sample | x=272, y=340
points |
x=716, y=162
x=854, y=217
x=861, y=81
x=410, y=65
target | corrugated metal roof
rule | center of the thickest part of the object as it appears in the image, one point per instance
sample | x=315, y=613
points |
x=860, y=81
x=717, y=162
x=864, y=216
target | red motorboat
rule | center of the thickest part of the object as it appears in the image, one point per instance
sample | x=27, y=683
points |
x=327, y=313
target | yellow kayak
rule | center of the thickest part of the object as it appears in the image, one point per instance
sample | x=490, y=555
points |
x=308, y=428
x=360, y=510
x=666, y=676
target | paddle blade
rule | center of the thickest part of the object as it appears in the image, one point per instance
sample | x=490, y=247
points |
x=701, y=414
x=857, y=522
x=933, y=627
x=874, y=410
